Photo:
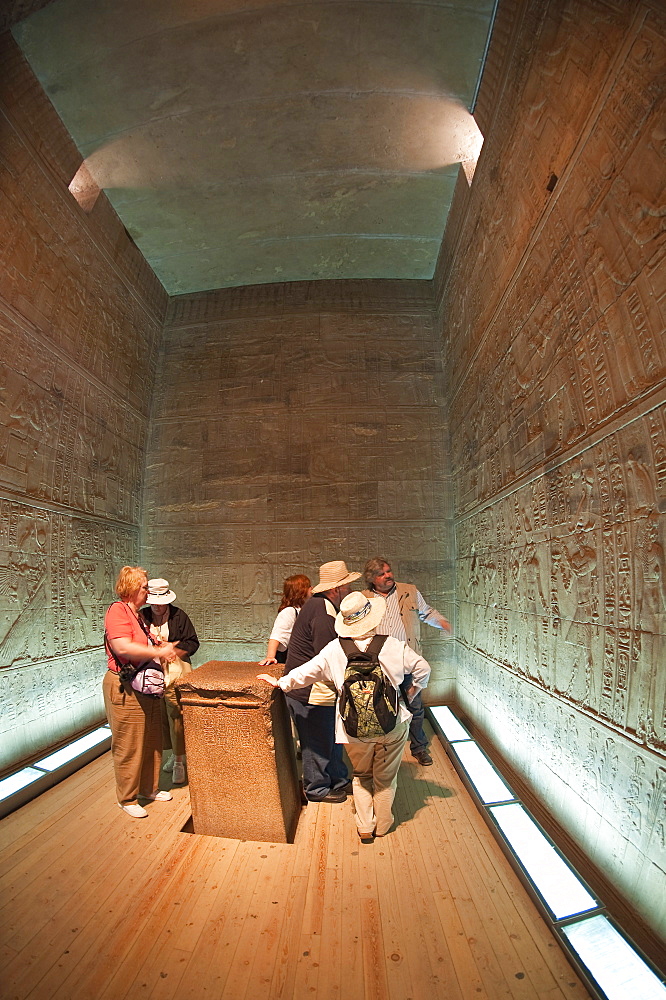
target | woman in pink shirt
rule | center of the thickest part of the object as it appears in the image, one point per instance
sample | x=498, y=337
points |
x=135, y=719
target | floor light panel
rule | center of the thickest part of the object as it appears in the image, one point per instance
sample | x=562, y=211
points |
x=13, y=783
x=620, y=972
x=75, y=749
x=617, y=969
x=558, y=885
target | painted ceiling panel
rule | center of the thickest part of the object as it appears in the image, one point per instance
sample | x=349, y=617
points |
x=247, y=142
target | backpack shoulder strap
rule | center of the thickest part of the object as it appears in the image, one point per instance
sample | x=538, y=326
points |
x=351, y=650
x=349, y=647
x=376, y=644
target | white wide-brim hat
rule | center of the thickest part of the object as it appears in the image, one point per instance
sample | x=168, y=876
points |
x=359, y=614
x=334, y=574
x=159, y=593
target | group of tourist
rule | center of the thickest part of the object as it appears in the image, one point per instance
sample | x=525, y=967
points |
x=345, y=686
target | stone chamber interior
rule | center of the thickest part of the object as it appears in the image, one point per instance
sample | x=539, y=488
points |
x=497, y=431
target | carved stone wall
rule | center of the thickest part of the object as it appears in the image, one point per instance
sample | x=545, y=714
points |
x=553, y=292
x=80, y=319
x=292, y=425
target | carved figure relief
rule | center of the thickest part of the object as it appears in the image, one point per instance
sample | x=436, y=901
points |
x=560, y=482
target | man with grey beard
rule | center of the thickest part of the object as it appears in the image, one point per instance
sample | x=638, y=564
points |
x=405, y=610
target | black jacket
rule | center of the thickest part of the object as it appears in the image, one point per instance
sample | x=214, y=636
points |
x=313, y=629
x=181, y=629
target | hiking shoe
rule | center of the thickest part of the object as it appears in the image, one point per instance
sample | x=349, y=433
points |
x=423, y=758
x=133, y=809
x=178, y=776
x=332, y=797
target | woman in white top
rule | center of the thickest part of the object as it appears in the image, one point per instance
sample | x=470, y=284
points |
x=296, y=590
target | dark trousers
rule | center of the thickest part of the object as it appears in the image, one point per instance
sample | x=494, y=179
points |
x=418, y=740
x=323, y=767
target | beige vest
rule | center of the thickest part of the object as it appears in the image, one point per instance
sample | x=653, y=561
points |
x=409, y=612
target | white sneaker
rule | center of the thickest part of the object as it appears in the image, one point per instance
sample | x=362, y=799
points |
x=169, y=764
x=159, y=797
x=178, y=776
x=133, y=809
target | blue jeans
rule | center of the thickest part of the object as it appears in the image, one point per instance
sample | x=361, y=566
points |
x=324, y=770
x=418, y=741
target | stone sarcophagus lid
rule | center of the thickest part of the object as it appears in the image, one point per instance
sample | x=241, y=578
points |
x=241, y=763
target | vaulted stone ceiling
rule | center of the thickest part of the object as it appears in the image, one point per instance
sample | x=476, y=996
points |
x=251, y=141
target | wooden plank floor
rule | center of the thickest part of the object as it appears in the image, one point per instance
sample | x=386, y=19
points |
x=97, y=906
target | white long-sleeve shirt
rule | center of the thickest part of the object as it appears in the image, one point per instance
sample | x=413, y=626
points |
x=328, y=666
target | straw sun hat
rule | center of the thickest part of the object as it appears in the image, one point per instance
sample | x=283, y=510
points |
x=334, y=574
x=359, y=614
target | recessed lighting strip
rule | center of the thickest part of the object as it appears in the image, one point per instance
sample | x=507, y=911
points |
x=611, y=965
x=18, y=788
x=73, y=750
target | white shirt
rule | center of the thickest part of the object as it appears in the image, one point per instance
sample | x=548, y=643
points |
x=395, y=657
x=160, y=631
x=173, y=670
x=282, y=626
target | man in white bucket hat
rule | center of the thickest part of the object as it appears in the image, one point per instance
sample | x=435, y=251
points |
x=167, y=622
x=375, y=759
x=325, y=775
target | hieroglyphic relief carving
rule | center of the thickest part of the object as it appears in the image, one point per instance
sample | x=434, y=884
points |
x=588, y=291
x=63, y=272
x=55, y=581
x=24, y=553
x=63, y=438
x=311, y=432
x=77, y=343
x=650, y=593
x=334, y=297
x=585, y=574
x=56, y=576
x=600, y=786
x=560, y=490
x=540, y=131
x=44, y=702
x=656, y=811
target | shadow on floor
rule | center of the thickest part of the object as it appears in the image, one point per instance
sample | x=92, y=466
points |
x=414, y=793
